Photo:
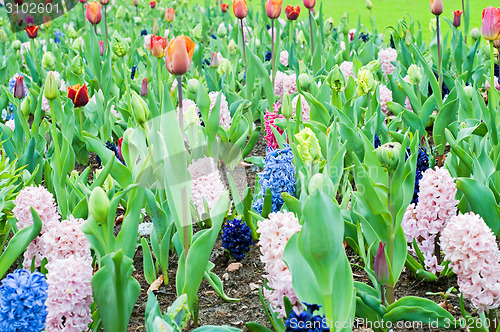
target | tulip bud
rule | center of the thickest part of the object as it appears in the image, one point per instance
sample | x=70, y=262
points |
x=408, y=38
x=19, y=91
x=144, y=87
x=490, y=23
x=369, y=5
x=93, y=12
x=156, y=27
x=101, y=48
x=415, y=74
x=321, y=182
x=240, y=9
x=232, y=48
x=309, y=4
x=469, y=91
x=48, y=60
x=140, y=109
x=304, y=81
x=328, y=26
x=224, y=67
x=119, y=45
x=99, y=205
x=16, y=45
x=198, y=31
x=170, y=15
x=380, y=267
x=365, y=82
x=286, y=107
x=77, y=65
x=192, y=86
x=215, y=60
x=26, y=106
x=71, y=32
x=475, y=34
x=388, y=155
x=273, y=8
x=136, y=3
x=336, y=80
x=3, y=37
x=456, y=18
x=222, y=31
x=437, y=7
x=51, y=89
x=125, y=146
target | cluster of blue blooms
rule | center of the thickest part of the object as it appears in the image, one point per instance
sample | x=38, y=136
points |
x=278, y=175
x=57, y=36
x=422, y=166
x=306, y=321
x=237, y=238
x=22, y=302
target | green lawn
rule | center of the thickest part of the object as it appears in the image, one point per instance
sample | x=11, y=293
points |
x=388, y=12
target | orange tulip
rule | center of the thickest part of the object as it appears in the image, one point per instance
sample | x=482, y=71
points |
x=490, y=24
x=224, y=7
x=79, y=95
x=273, y=8
x=240, y=8
x=32, y=30
x=93, y=12
x=309, y=4
x=152, y=4
x=170, y=15
x=179, y=54
x=158, y=46
x=437, y=7
x=292, y=13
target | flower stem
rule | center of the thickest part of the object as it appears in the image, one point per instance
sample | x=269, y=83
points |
x=492, y=74
x=83, y=15
x=390, y=242
x=465, y=32
x=272, y=51
x=181, y=115
x=440, y=76
x=493, y=320
x=244, y=47
x=106, y=23
x=311, y=30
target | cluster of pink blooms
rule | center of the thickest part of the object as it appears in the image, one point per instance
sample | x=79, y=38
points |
x=385, y=96
x=206, y=183
x=470, y=246
x=274, y=235
x=386, y=57
x=11, y=124
x=487, y=84
x=284, y=58
x=306, y=109
x=69, y=274
x=191, y=113
x=225, y=115
x=285, y=83
x=436, y=205
x=346, y=69
x=269, y=118
x=43, y=203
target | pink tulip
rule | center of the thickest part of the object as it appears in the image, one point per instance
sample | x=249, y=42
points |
x=490, y=24
x=437, y=7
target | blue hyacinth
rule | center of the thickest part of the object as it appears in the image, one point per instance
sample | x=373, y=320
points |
x=422, y=166
x=237, y=238
x=376, y=141
x=144, y=32
x=22, y=302
x=278, y=175
x=133, y=71
x=268, y=55
x=57, y=36
x=306, y=321
x=213, y=36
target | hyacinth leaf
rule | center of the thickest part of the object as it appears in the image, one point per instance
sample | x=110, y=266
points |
x=212, y=328
x=482, y=201
x=416, y=309
x=115, y=291
x=217, y=284
x=256, y=69
x=256, y=327
x=424, y=275
x=251, y=142
x=292, y=204
x=235, y=195
x=268, y=203
x=429, y=73
x=446, y=117
x=127, y=237
x=365, y=312
x=464, y=157
x=19, y=242
x=147, y=259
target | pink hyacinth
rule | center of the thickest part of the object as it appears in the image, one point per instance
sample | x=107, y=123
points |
x=346, y=69
x=284, y=58
x=69, y=294
x=274, y=235
x=269, y=121
x=306, y=109
x=470, y=246
x=436, y=205
x=206, y=183
x=11, y=124
x=66, y=239
x=43, y=203
x=487, y=84
x=385, y=96
x=225, y=115
x=408, y=104
x=285, y=83
x=386, y=57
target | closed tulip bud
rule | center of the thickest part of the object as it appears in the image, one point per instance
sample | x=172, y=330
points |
x=93, y=12
x=388, y=155
x=136, y=3
x=475, y=34
x=436, y=7
x=79, y=95
x=144, y=87
x=99, y=205
x=369, y=5
x=273, y=8
x=287, y=108
x=232, y=48
x=469, y=91
x=119, y=45
x=292, y=13
x=152, y=4
x=321, y=182
x=192, y=86
x=77, y=43
x=309, y=4
x=336, y=80
x=140, y=109
x=119, y=148
x=328, y=26
x=380, y=267
x=125, y=146
x=77, y=65
x=198, y=31
x=170, y=15
x=48, y=60
x=16, y=45
x=456, y=18
x=19, y=91
x=224, y=67
x=408, y=38
x=3, y=37
x=104, y=2
x=304, y=81
x=156, y=27
x=215, y=60
x=101, y=47
x=366, y=82
x=26, y=106
x=51, y=88
x=490, y=24
x=240, y=8
x=179, y=54
x=71, y=32
x=222, y=31
x=415, y=74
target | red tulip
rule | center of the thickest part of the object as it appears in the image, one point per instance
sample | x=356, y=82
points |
x=240, y=8
x=152, y=4
x=101, y=48
x=158, y=46
x=93, y=12
x=144, y=87
x=224, y=7
x=380, y=267
x=456, y=18
x=104, y=2
x=19, y=92
x=292, y=13
x=79, y=95
x=490, y=24
x=179, y=54
x=136, y=3
x=437, y=7
x=170, y=15
x=119, y=148
x=83, y=1
x=273, y=8
x=32, y=30
x=309, y=4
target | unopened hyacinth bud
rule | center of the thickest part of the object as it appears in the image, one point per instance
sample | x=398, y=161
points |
x=16, y=45
x=388, y=155
x=139, y=108
x=144, y=87
x=286, y=107
x=475, y=34
x=99, y=205
x=48, y=60
x=380, y=267
x=51, y=88
x=119, y=45
x=193, y=85
x=415, y=74
x=26, y=106
x=304, y=81
x=328, y=26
